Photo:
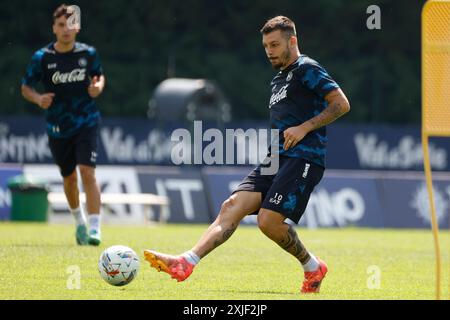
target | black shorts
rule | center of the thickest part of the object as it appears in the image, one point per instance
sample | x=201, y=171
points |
x=287, y=191
x=78, y=149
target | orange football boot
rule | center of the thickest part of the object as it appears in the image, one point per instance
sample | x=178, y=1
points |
x=313, y=279
x=176, y=266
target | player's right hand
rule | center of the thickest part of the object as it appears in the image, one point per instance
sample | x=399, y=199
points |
x=45, y=100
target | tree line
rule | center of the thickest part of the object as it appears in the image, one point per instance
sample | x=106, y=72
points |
x=141, y=43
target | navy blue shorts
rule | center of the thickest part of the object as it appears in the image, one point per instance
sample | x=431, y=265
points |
x=287, y=191
x=78, y=149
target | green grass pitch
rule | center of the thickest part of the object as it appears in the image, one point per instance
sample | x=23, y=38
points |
x=36, y=261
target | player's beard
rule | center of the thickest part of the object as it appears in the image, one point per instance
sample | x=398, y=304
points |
x=284, y=58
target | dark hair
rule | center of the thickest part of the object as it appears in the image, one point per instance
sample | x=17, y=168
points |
x=61, y=11
x=286, y=25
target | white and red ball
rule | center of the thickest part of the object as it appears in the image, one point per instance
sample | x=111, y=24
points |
x=118, y=265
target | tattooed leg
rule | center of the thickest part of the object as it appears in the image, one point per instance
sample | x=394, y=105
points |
x=273, y=226
x=215, y=236
x=233, y=210
x=291, y=243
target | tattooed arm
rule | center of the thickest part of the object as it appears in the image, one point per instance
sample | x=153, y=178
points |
x=337, y=106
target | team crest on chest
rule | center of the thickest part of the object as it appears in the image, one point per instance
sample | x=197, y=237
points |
x=82, y=62
x=289, y=76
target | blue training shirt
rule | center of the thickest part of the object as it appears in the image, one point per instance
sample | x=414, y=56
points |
x=68, y=75
x=298, y=94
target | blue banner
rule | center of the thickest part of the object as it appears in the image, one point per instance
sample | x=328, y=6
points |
x=406, y=204
x=6, y=172
x=353, y=198
x=144, y=142
x=342, y=201
x=343, y=198
x=383, y=147
x=220, y=183
x=184, y=188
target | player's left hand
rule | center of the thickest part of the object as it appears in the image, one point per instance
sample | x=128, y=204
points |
x=94, y=88
x=293, y=135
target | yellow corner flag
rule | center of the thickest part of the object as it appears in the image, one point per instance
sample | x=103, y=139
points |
x=435, y=95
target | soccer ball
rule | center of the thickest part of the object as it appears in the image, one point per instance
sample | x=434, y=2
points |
x=118, y=265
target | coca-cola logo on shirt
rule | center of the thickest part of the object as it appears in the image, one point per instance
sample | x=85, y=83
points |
x=76, y=75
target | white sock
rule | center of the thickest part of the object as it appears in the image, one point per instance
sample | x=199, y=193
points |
x=191, y=257
x=312, y=264
x=79, y=216
x=94, y=222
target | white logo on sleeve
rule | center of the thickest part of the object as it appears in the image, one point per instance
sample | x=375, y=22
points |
x=76, y=75
x=305, y=172
x=93, y=156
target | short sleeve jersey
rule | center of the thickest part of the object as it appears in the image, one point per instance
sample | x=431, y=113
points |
x=68, y=76
x=298, y=94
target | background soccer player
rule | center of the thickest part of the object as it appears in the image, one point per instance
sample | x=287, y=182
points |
x=72, y=77
x=304, y=99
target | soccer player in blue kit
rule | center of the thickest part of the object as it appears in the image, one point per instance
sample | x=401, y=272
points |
x=304, y=100
x=72, y=78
